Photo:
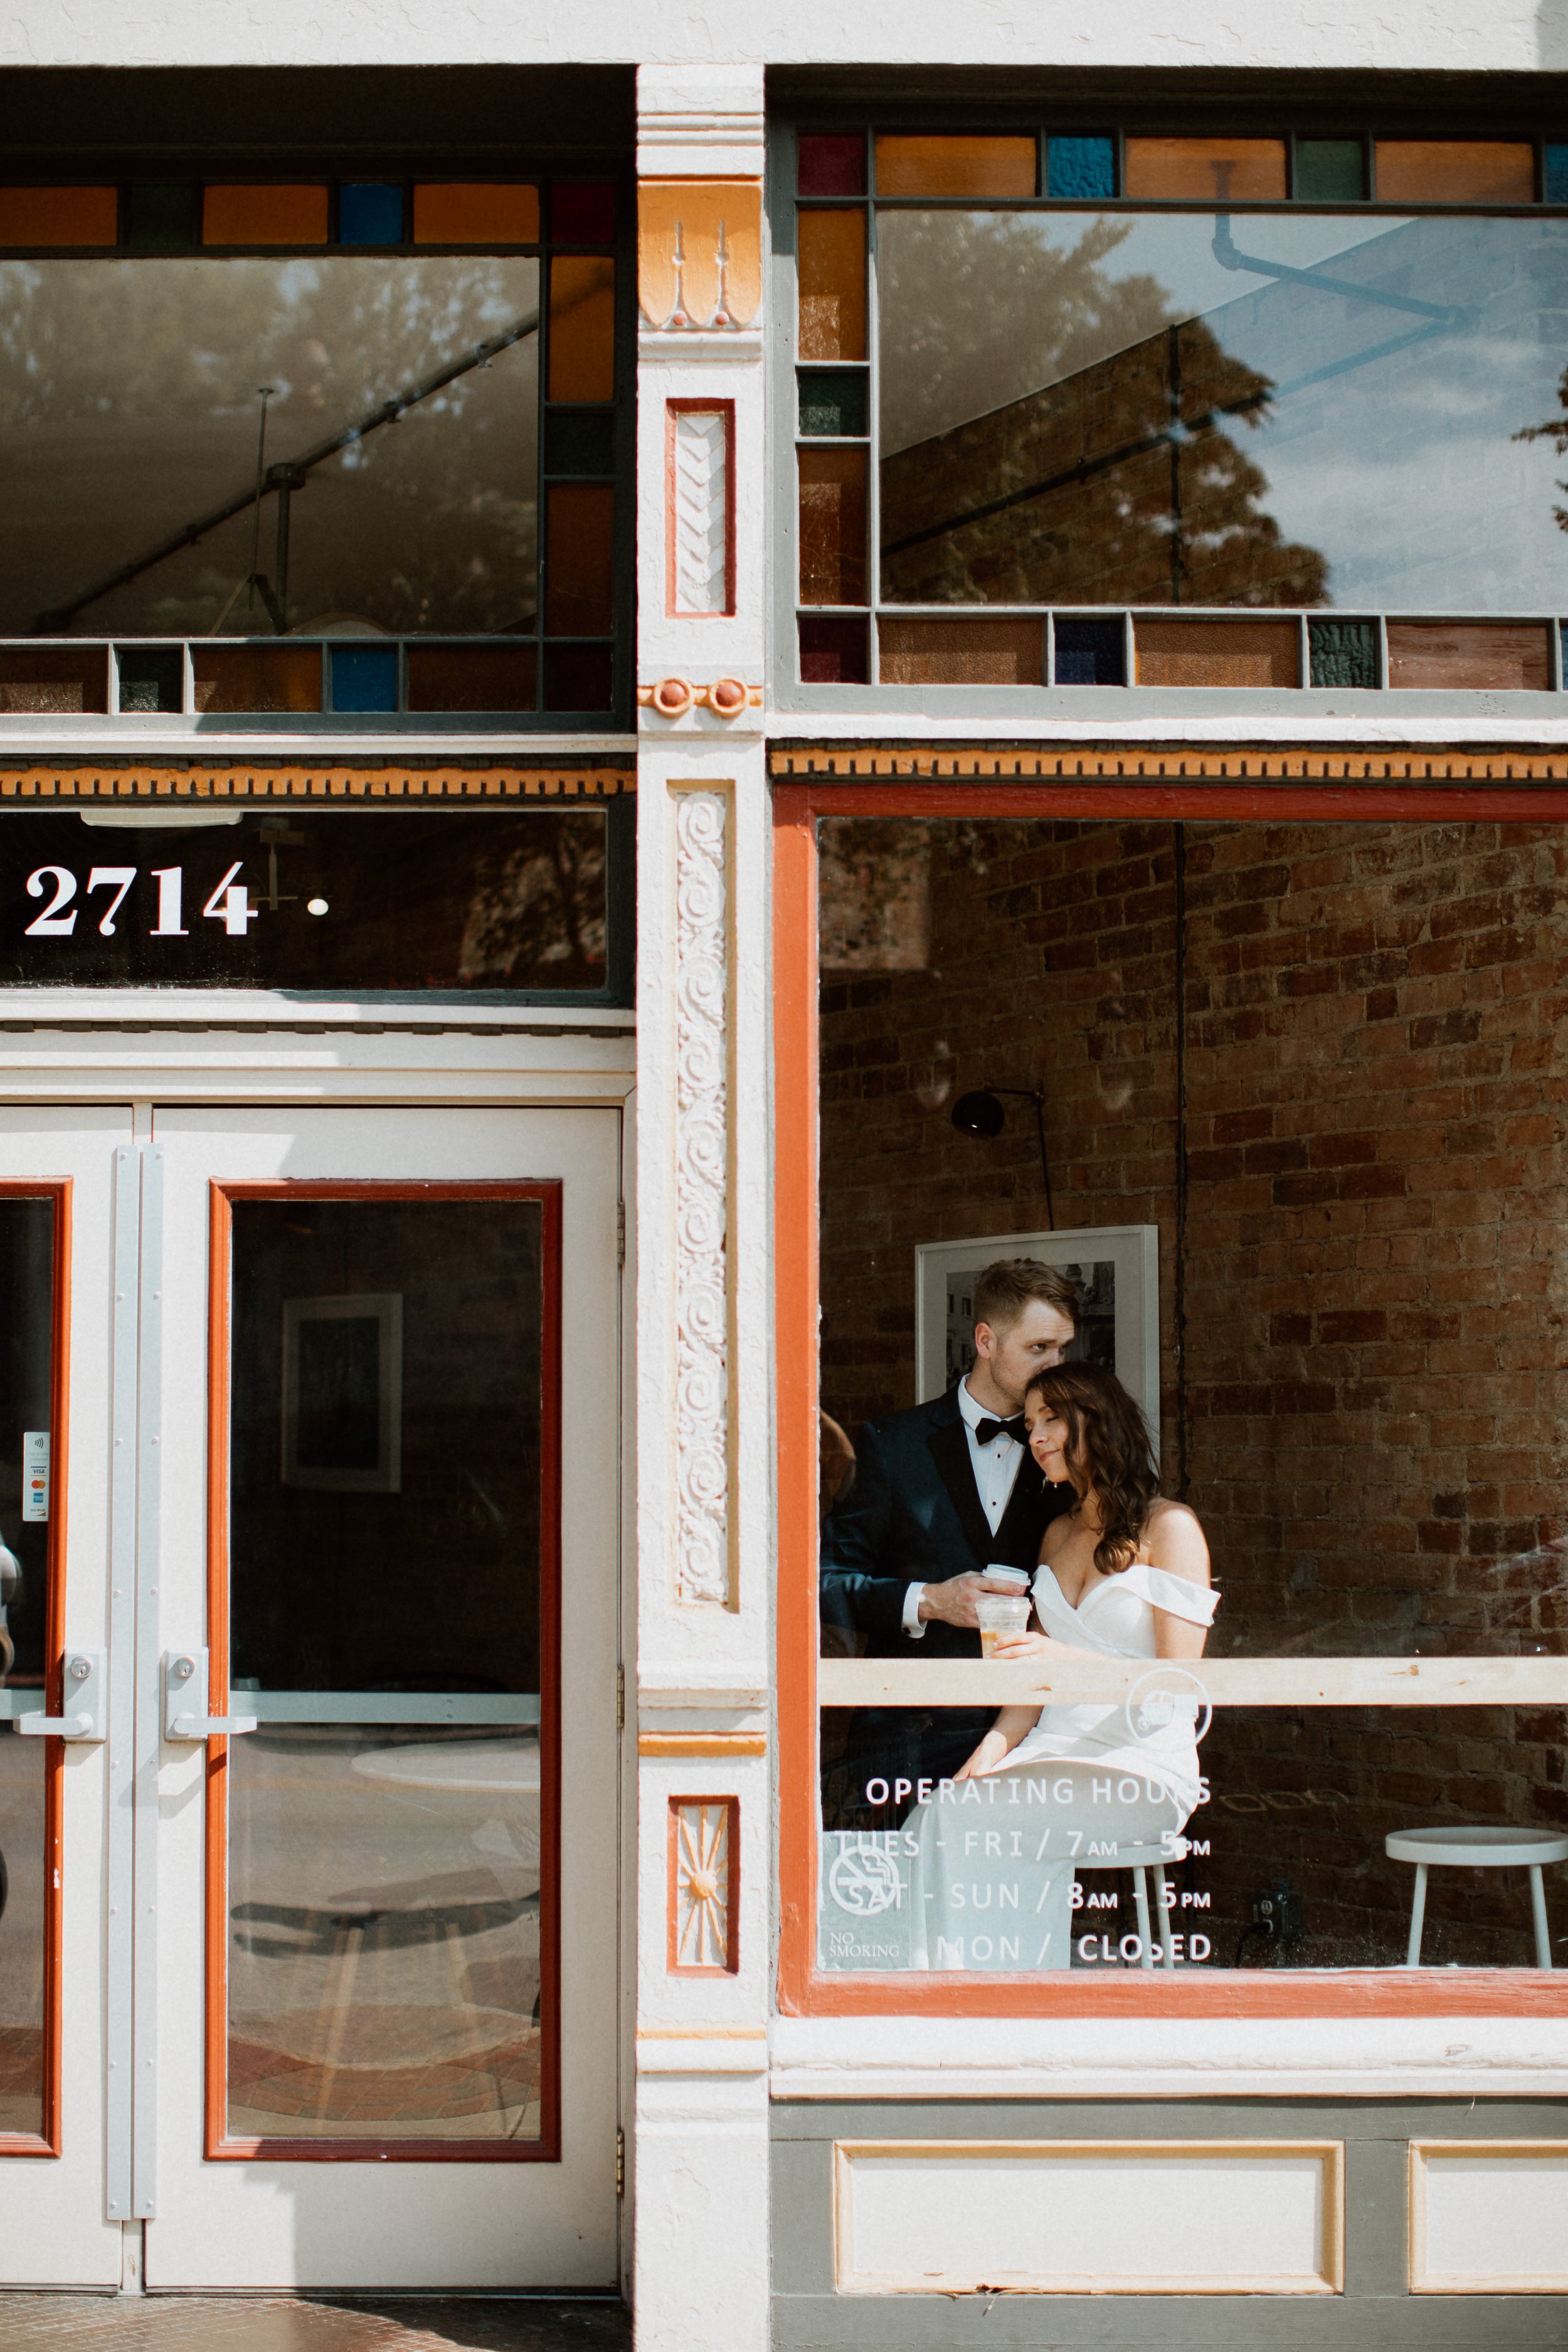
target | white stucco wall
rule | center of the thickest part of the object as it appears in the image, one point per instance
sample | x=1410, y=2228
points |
x=1507, y=36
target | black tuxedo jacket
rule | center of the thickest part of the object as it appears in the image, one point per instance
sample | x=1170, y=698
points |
x=913, y=1516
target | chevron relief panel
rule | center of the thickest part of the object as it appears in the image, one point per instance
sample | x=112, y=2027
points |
x=702, y=523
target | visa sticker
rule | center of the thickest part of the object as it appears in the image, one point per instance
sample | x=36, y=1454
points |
x=34, y=1473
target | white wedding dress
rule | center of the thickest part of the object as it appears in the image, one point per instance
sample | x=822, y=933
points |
x=991, y=1880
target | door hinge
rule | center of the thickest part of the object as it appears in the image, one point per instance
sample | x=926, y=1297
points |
x=621, y=1235
x=620, y=2162
x=620, y=1698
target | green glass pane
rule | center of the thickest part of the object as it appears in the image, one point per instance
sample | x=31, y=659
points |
x=1330, y=171
x=1345, y=652
x=579, y=442
x=832, y=403
x=160, y=219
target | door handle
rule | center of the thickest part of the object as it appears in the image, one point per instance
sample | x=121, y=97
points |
x=185, y=1713
x=86, y=1680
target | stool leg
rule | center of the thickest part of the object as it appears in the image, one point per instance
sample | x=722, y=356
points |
x=1417, y=1913
x=1167, y=1941
x=1538, y=1906
x=1140, y=1897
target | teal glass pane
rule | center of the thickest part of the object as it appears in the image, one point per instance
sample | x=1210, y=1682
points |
x=1555, y=173
x=160, y=219
x=1344, y=653
x=370, y=212
x=832, y=403
x=579, y=442
x=1330, y=171
x=1081, y=169
x=364, y=677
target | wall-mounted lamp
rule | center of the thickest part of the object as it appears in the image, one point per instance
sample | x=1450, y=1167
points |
x=980, y=1114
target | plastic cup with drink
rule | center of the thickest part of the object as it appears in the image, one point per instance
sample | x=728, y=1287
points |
x=1001, y=1616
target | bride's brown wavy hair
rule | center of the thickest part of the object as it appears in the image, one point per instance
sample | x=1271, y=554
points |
x=1107, y=1444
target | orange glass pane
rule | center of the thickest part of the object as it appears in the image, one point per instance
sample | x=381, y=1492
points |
x=833, y=526
x=944, y=165
x=263, y=215
x=471, y=677
x=1207, y=171
x=962, y=653
x=1455, y=172
x=55, y=679
x=579, y=554
x=258, y=678
x=832, y=267
x=459, y=212
x=59, y=215
x=1470, y=655
x=581, y=328
x=1217, y=653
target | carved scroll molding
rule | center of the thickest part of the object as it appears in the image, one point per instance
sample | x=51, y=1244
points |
x=704, y=1535
x=704, y=1870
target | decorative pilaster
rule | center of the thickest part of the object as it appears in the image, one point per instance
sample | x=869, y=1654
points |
x=702, y=1564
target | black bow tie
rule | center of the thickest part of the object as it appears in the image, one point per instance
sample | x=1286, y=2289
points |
x=984, y=1431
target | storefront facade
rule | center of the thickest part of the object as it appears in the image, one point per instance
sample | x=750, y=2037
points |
x=653, y=713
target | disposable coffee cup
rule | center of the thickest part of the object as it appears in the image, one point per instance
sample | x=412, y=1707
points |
x=999, y=1616
x=1016, y=1579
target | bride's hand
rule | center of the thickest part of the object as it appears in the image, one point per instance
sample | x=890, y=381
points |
x=1025, y=1645
x=992, y=1751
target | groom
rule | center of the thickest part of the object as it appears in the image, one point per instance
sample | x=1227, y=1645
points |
x=939, y=1494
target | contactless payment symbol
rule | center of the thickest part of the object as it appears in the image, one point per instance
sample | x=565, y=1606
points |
x=863, y=1883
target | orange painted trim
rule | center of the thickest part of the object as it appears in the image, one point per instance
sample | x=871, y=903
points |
x=322, y=782
x=701, y=1743
x=1182, y=764
x=802, y=1990
x=49, y=2141
x=699, y=407
x=673, y=1964
x=217, y=2145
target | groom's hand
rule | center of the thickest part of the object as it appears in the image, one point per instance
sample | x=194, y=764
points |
x=954, y=1602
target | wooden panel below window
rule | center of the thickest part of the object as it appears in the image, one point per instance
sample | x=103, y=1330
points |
x=1470, y=655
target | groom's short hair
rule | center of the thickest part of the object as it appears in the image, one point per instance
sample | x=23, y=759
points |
x=1007, y=1286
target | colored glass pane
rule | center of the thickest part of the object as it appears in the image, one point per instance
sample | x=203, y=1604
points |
x=472, y=677
x=582, y=212
x=945, y=165
x=961, y=652
x=364, y=677
x=256, y=677
x=830, y=164
x=579, y=600
x=483, y=212
x=833, y=653
x=1500, y=657
x=161, y=218
x=1090, y=652
x=831, y=262
x=50, y=679
x=581, y=328
x=1455, y=172
x=1330, y=171
x=1555, y=173
x=59, y=215
x=580, y=443
x=1217, y=653
x=1080, y=170
x=151, y=678
x=1343, y=653
x=370, y=212
x=1207, y=171
x=832, y=526
x=263, y=215
x=578, y=678
x=833, y=403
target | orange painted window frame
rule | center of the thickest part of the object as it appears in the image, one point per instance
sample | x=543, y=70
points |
x=58, y=1190
x=278, y=2148
x=803, y=1989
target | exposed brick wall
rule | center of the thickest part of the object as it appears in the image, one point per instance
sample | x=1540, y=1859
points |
x=1374, y=1308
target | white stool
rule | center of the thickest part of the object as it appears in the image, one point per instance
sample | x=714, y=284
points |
x=1478, y=1849
x=1141, y=1860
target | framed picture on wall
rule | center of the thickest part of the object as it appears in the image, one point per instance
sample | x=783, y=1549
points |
x=342, y=1393
x=1117, y=1268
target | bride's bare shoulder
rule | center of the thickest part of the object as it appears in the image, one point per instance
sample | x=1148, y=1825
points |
x=1174, y=1539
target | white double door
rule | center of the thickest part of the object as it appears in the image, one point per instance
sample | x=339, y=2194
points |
x=332, y=2003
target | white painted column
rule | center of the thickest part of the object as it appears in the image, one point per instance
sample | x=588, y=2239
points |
x=700, y=2149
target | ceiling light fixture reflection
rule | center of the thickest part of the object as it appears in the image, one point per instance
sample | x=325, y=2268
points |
x=980, y=1113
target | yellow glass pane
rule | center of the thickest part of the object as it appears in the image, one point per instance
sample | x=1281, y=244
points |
x=945, y=165
x=832, y=267
x=455, y=211
x=581, y=328
x=1455, y=172
x=59, y=215
x=263, y=215
x=1207, y=171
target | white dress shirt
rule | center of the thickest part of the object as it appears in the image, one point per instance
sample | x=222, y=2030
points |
x=995, y=1468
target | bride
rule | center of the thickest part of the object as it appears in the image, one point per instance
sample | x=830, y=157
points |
x=1123, y=1574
